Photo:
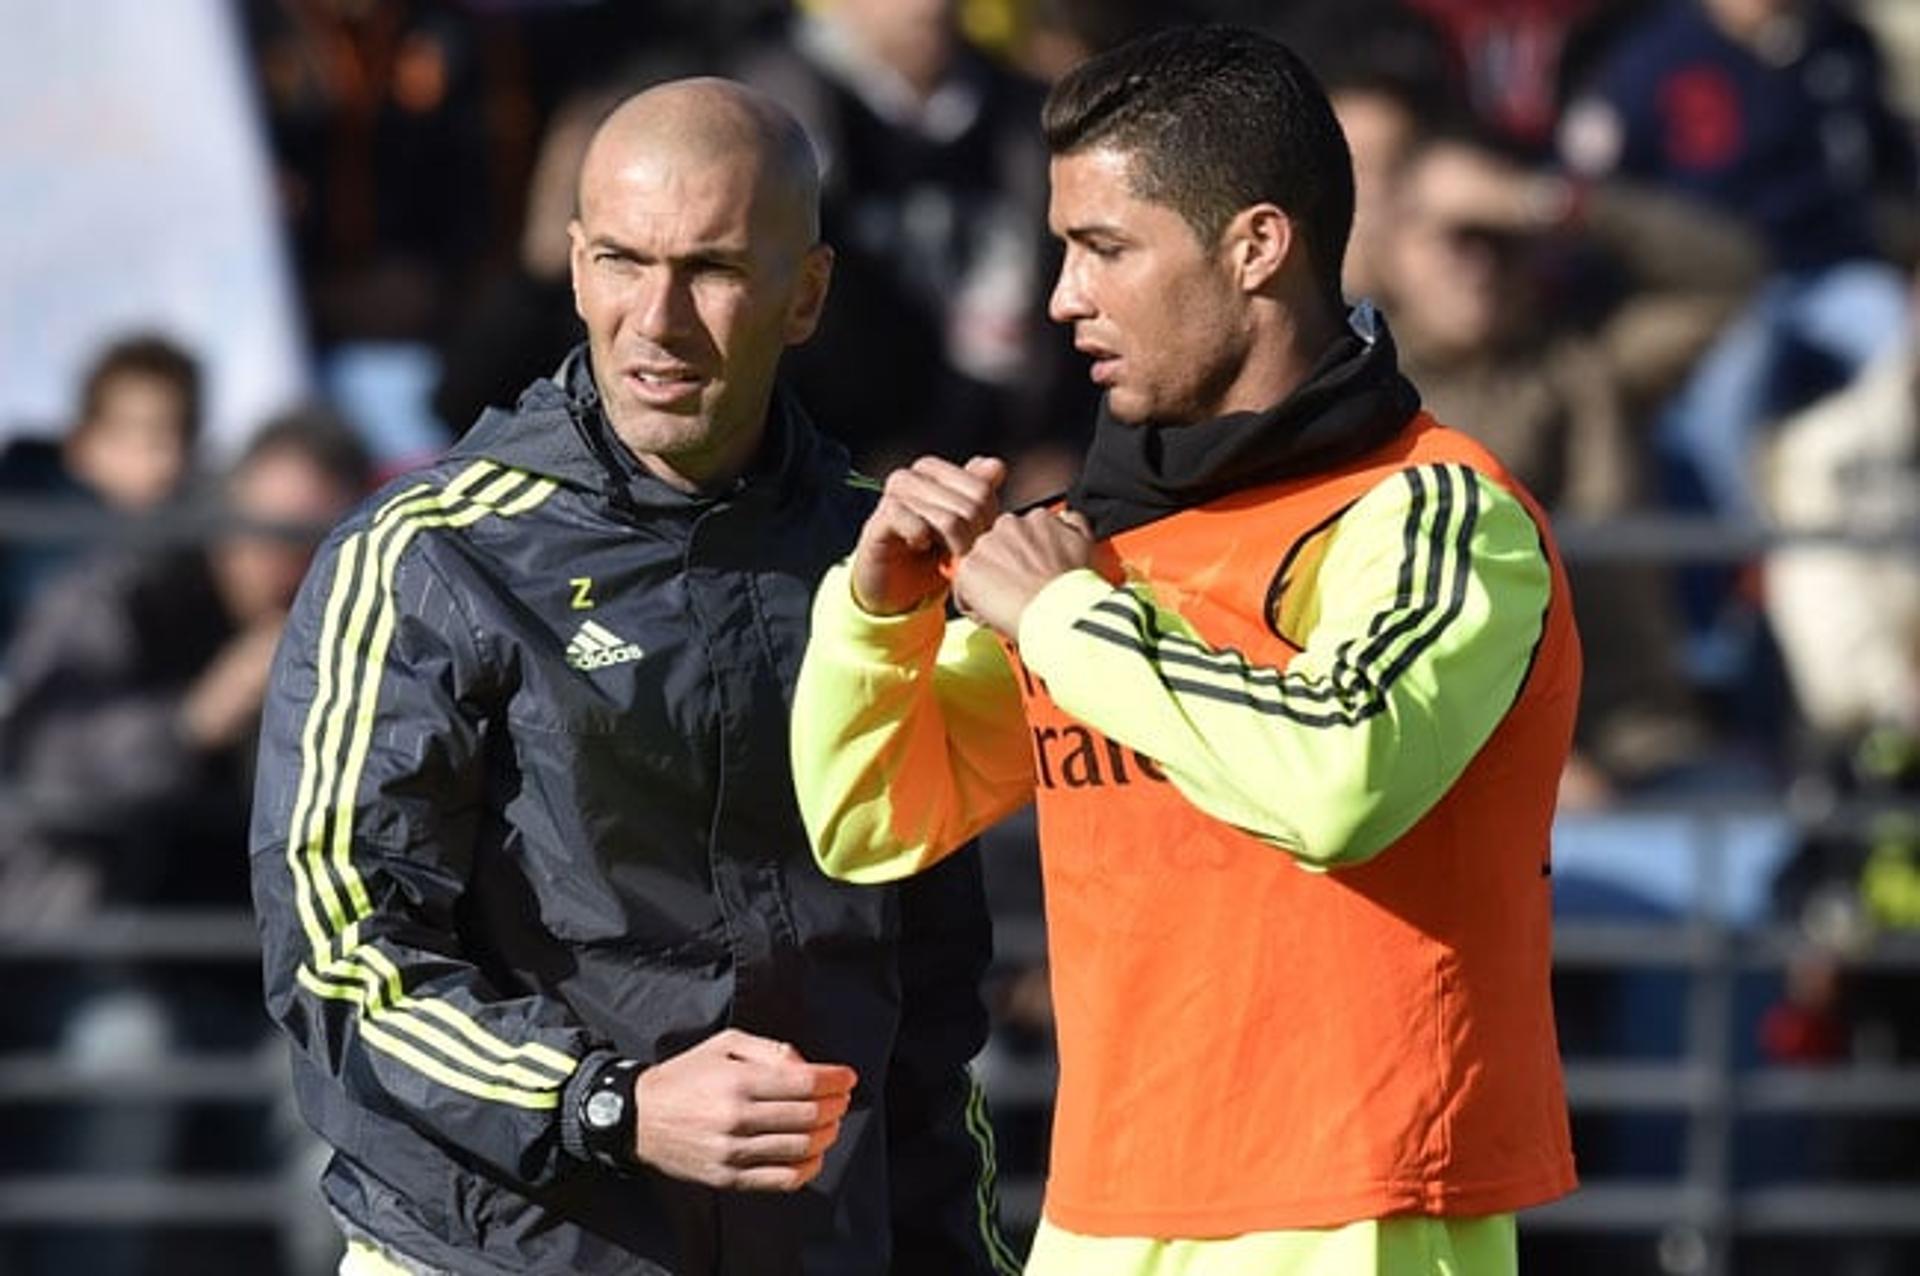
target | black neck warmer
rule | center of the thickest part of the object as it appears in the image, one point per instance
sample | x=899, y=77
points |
x=1352, y=402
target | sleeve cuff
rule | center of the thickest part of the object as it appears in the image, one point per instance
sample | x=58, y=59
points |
x=572, y=1140
x=1046, y=627
x=869, y=638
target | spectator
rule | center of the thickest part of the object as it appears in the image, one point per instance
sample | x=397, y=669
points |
x=1382, y=119
x=1388, y=73
x=1511, y=52
x=137, y=684
x=1771, y=111
x=523, y=323
x=1562, y=405
x=381, y=142
x=400, y=134
x=1051, y=37
x=139, y=419
x=129, y=449
x=1851, y=464
x=1847, y=618
x=934, y=337
x=137, y=691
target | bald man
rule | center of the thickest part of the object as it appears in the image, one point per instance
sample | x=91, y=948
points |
x=566, y=990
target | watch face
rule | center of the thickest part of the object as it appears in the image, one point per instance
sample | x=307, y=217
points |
x=604, y=1110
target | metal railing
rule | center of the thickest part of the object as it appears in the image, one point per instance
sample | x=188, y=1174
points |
x=1702, y=1086
x=1703, y=1209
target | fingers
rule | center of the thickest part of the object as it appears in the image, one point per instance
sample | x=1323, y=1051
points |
x=778, y=1071
x=741, y=1112
x=929, y=514
x=799, y=1080
x=736, y=1044
x=782, y=1149
x=896, y=521
x=776, y=1178
x=990, y=469
x=779, y=1146
x=833, y=1080
x=1037, y=529
x=934, y=500
x=791, y=1116
x=981, y=476
x=1013, y=561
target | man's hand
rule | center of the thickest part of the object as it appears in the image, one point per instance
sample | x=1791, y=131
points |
x=224, y=702
x=930, y=514
x=740, y=1112
x=1472, y=187
x=1015, y=560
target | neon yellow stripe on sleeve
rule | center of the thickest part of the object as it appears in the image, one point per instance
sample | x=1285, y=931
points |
x=352, y=674
x=1426, y=608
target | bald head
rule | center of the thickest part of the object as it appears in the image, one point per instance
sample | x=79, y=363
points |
x=709, y=121
x=696, y=261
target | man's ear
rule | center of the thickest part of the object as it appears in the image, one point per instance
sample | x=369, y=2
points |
x=577, y=261
x=1259, y=240
x=809, y=293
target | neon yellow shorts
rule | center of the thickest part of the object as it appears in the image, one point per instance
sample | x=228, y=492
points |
x=1379, y=1247
x=363, y=1259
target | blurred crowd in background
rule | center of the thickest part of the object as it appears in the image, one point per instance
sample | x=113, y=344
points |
x=1658, y=254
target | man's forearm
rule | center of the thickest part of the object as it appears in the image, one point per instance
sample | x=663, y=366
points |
x=908, y=736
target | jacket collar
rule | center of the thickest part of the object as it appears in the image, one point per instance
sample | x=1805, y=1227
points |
x=1352, y=402
x=558, y=430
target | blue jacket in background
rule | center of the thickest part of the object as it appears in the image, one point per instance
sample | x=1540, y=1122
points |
x=1797, y=147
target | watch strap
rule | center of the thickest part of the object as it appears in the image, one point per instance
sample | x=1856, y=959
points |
x=610, y=1144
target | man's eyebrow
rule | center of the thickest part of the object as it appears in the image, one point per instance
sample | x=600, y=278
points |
x=724, y=253
x=1092, y=230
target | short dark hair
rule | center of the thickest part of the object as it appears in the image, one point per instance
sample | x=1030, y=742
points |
x=143, y=355
x=1216, y=119
x=318, y=436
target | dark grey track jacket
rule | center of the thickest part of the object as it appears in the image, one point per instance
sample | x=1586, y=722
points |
x=523, y=803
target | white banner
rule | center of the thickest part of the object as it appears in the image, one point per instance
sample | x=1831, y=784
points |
x=135, y=193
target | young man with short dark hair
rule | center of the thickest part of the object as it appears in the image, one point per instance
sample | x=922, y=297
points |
x=1284, y=621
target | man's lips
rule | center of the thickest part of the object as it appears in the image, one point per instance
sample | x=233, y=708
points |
x=1106, y=364
x=664, y=386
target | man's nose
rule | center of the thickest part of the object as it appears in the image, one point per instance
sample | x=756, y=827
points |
x=663, y=306
x=1067, y=302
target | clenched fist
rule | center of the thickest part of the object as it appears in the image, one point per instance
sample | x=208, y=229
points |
x=740, y=1112
x=929, y=515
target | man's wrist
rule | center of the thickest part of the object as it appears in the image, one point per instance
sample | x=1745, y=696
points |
x=873, y=610
x=864, y=635
x=1057, y=605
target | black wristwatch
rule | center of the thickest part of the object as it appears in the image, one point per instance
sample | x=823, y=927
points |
x=609, y=1114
